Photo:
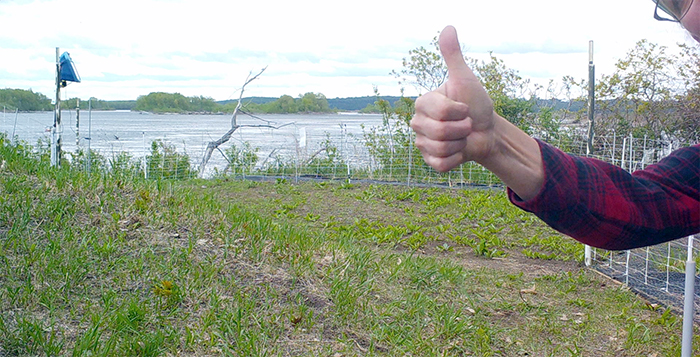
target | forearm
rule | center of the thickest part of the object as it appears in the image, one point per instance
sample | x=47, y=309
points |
x=604, y=206
x=516, y=159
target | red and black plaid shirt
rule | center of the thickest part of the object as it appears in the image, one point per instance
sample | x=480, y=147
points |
x=604, y=206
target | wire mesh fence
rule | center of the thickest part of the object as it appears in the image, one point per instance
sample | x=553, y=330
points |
x=656, y=272
x=342, y=147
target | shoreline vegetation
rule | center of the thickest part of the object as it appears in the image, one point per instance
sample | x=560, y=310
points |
x=176, y=103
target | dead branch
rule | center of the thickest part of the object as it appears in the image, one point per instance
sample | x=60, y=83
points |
x=214, y=145
x=312, y=157
x=268, y=157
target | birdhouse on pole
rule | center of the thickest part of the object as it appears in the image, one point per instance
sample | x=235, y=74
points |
x=65, y=72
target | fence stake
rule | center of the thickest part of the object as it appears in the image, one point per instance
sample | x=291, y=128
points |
x=410, y=157
x=668, y=265
x=624, y=146
x=627, y=268
x=15, y=127
x=646, y=268
x=613, y=147
x=644, y=151
x=689, y=305
x=631, y=158
x=588, y=254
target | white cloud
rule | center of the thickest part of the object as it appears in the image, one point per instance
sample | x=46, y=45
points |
x=205, y=47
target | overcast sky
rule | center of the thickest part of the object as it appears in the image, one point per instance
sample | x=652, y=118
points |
x=123, y=49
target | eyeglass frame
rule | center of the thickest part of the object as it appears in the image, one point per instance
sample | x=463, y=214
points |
x=674, y=19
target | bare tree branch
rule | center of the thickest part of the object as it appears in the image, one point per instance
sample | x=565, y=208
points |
x=212, y=145
x=240, y=97
x=312, y=157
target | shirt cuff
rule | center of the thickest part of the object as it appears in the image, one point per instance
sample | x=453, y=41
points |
x=532, y=204
x=559, y=178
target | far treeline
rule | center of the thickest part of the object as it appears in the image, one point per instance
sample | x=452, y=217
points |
x=654, y=91
x=159, y=102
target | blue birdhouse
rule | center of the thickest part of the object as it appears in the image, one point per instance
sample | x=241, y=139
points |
x=68, y=72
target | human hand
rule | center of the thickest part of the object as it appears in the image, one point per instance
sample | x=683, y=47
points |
x=454, y=123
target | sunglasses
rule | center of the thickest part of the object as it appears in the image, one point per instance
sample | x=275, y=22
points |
x=674, y=8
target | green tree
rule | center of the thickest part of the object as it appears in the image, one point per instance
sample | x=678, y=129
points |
x=371, y=109
x=24, y=100
x=203, y=104
x=651, y=91
x=688, y=101
x=159, y=102
x=507, y=89
x=313, y=103
x=423, y=68
x=287, y=104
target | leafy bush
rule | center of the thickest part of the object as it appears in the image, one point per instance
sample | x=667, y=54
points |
x=327, y=161
x=243, y=159
x=165, y=162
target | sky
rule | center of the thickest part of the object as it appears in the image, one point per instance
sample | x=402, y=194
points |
x=124, y=49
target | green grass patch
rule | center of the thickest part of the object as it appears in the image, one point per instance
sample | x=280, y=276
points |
x=104, y=265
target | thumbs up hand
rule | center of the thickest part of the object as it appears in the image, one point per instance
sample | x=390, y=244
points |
x=454, y=124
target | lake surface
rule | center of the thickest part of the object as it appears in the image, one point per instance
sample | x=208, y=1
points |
x=111, y=132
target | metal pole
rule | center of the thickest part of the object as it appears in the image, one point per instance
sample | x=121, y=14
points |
x=614, y=146
x=410, y=160
x=56, y=130
x=89, y=138
x=145, y=155
x=630, y=159
x=15, y=127
x=591, y=99
x=77, y=124
x=591, y=123
x=689, y=307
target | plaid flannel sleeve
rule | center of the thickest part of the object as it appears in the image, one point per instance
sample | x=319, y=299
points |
x=605, y=206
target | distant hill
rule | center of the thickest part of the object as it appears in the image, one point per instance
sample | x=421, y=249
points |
x=358, y=103
x=255, y=100
x=557, y=104
x=342, y=104
x=30, y=101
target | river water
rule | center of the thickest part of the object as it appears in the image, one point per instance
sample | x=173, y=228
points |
x=111, y=132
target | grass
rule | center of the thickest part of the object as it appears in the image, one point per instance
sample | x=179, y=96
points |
x=102, y=266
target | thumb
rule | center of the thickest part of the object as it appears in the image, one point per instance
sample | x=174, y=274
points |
x=462, y=85
x=457, y=69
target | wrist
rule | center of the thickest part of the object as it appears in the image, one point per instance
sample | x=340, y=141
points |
x=515, y=158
